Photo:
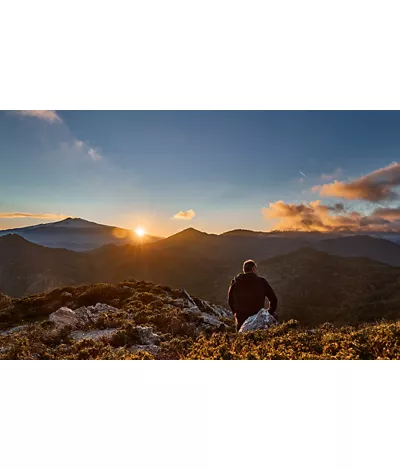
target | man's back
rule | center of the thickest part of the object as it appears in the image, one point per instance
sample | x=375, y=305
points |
x=247, y=294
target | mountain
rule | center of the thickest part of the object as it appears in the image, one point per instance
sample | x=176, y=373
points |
x=141, y=320
x=377, y=249
x=78, y=235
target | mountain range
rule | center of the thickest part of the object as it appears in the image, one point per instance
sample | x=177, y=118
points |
x=340, y=280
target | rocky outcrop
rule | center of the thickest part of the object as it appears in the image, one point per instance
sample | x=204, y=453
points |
x=209, y=313
x=260, y=321
x=92, y=334
x=81, y=317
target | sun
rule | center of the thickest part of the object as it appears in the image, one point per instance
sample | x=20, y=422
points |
x=140, y=232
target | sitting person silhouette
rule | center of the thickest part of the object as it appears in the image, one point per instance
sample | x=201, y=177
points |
x=247, y=293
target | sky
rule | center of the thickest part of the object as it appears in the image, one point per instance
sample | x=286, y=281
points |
x=212, y=170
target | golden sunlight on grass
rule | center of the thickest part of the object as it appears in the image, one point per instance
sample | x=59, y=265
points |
x=140, y=232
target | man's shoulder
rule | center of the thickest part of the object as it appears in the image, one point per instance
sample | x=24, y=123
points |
x=235, y=278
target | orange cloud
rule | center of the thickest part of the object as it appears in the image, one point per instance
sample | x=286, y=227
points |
x=387, y=213
x=312, y=216
x=374, y=187
x=185, y=215
x=29, y=215
x=49, y=116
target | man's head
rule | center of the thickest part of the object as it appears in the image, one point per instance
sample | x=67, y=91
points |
x=250, y=266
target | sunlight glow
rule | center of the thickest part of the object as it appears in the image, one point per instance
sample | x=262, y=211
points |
x=140, y=232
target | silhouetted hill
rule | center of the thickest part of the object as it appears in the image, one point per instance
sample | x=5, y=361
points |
x=316, y=287
x=29, y=268
x=377, y=249
x=78, y=235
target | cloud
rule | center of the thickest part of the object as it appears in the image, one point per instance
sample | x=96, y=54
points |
x=72, y=143
x=185, y=215
x=79, y=144
x=374, y=187
x=312, y=216
x=330, y=218
x=49, y=116
x=30, y=215
x=387, y=213
x=93, y=153
x=332, y=176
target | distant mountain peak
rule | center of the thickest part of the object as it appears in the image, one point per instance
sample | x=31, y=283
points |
x=189, y=232
x=75, y=222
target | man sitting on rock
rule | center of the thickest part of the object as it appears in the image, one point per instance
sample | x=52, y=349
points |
x=247, y=294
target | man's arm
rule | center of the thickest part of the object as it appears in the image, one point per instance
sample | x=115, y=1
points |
x=273, y=301
x=231, y=296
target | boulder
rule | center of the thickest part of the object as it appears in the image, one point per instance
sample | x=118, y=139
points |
x=80, y=317
x=147, y=336
x=260, y=321
x=64, y=316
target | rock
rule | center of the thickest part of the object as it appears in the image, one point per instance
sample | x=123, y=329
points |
x=260, y=321
x=66, y=294
x=188, y=300
x=92, y=334
x=64, y=316
x=147, y=335
x=218, y=311
x=192, y=311
x=80, y=317
x=13, y=330
x=211, y=320
x=92, y=313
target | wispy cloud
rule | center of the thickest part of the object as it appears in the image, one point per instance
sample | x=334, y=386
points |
x=185, y=215
x=76, y=144
x=49, y=116
x=30, y=215
x=374, y=187
x=93, y=153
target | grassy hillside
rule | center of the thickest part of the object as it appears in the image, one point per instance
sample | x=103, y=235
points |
x=178, y=325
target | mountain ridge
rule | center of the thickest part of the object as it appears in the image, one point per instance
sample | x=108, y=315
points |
x=78, y=234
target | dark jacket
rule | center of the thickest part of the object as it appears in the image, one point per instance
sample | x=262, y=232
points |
x=247, y=294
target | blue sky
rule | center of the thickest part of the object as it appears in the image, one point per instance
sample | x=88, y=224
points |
x=136, y=168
